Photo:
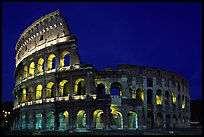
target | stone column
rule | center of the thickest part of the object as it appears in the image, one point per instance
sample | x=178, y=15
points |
x=107, y=124
x=71, y=87
x=56, y=120
x=57, y=65
x=145, y=95
x=36, y=66
x=44, y=121
x=56, y=96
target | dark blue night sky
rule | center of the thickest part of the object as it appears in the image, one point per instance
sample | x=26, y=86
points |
x=164, y=35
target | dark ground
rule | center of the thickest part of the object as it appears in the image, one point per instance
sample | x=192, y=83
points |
x=185, y=131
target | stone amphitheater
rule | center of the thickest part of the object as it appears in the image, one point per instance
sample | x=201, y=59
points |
x=54, y=91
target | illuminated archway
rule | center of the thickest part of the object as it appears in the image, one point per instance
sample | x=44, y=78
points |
x=140, y=94
x=30, y=121
x=101, y=89
x=50, y=62
x=118, y=118
x=63, y=88
x=98, y=119
x=81, y=119
x=39, y=92
x=38, y=119
x=173, y=97
x=23, y=121
x=40, y=65
x=63, y=120
x=79, y=87
x=25, y=72
x=116, y=89
x=158, y=97
x=24, y=95
x=132, y=120
x=64, y=59
x=50, y=121
x=30, y=94
x=50, y=90
x=32, y=69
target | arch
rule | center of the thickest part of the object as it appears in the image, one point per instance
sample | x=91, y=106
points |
x=39, y=92
x=140, y=94
x=40, y=65
x=132, y=120
x=174, y=120
x=50, y=121
x=118, y=118
x=101, y=89
x=167, y=121
x=32, y=69
x=64, y=59
x=25, y=72
x=150, y=120
x=38, y=119
x=79, y=86
x=116, y=89
x=64, y=88
x=98, y=119
x=30, y=94
x=23, y=121
x=81, y=119
x=159, y=120
x=30, y=121
x=173, y=97
x=24, y=95
x=167, y=97
x=149, y=96
x=159, y=97
x=63, y=120
x=50, y=62
x=50, y=90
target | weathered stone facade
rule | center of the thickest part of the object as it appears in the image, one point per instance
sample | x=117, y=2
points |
x=56, y=93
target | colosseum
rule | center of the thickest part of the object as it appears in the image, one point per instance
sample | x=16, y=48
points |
x=54, y=91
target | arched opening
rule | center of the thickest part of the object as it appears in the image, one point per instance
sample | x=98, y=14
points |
x=174, y=120
x=167, y=97
x=173, y=97
x=183, y=102
x=24, y=96
x=40, y=65
x=39, y=92
x=101, y=89
x=118, y=119
x=116, y=89
x=167, y=121
x=159, y=120
x=38, y=119
x=79, y=87
x=81, y=119
x=140, y=94
x=150, y=120
x=64, y=58
x=179, y=99
x=32, y=69
x=99, y=119
x=64, y=88
x=50, y=121
x=25, y=72
x=23, y=121
x=51, y=62
x=30, y=94
x=149, y=96
x=132, y=120
x=50, y=90
x=63, y=120
x=30, y=121
x=158, y=97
